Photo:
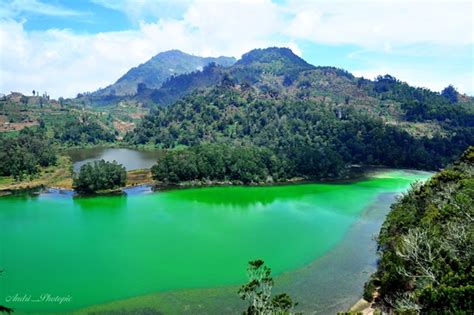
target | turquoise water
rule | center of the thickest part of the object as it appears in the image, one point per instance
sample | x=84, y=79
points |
x=97, y=250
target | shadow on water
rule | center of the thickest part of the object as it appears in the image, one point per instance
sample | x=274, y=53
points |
x=131, y=159
x=110, y=204
x=245, y=196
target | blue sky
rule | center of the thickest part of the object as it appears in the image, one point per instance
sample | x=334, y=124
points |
x=66, y=47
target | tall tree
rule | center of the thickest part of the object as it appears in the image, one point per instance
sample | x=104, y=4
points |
x=257, y=292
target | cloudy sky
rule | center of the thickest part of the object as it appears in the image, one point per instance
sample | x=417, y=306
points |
x=65, y=47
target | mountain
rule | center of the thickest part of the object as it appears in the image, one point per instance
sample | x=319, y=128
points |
x=252, y=68
x=158, y=69
x=274, y=59
x=316, y=120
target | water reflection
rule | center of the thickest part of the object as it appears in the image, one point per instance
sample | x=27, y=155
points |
x=132, y=159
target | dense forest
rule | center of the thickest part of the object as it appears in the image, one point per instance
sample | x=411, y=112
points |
x=98, y=176
x=220, y=163
x=315, y=120
x=22, y=156
x=311, y=138
x=82, y=131
x=426, y=246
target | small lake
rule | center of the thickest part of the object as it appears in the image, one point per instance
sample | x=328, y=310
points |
x=186, y=251
x=132, y=159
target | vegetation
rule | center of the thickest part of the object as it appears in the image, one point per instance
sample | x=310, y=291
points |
x=98, y=176
x=314, y=120
x=65, y=122
x=85, y=131
x=257, y=292
x=219, y=163
x=24, y=155
x=427, y=246
x=285, y=117
x=450, y=93
x=153, y=73
x=308, y=137
x=422, y=104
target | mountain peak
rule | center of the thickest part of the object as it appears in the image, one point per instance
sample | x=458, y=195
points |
x=280, y=57
x=158, y=69
x=173, y=53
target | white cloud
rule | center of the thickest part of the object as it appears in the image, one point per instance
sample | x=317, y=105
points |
x=64, y=63
x=382, y=24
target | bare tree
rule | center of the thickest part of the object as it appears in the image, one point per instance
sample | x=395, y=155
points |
x=416, y=248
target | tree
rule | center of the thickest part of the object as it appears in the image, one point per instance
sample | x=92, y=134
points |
x=24, y=100
x=426, y=246
x=141, y=87
x=99, y=175
x=258, y=292
x=450, y=93
x=24, y=155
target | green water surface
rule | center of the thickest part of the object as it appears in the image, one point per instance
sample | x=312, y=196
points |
x=101, y=249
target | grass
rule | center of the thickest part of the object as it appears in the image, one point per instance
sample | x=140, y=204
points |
x=59, y=176
x=139, y=177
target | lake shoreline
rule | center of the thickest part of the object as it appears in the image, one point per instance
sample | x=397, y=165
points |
x=143, y=178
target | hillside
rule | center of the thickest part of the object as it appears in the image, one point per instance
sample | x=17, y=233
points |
x=278, y=73
x=61, y=120
x=157, y=70
x=426, y=246
x=317, y=120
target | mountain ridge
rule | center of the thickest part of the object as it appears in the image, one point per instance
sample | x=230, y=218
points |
x=156, y=70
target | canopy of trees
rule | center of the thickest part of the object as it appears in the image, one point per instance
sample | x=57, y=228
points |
x=23, y=155
x=245, y=164
x=99, y=175
x=450, y=93
x=427, y=246
x=257, y=292
x=75, y=132
x=311, y=137
x=423, y=104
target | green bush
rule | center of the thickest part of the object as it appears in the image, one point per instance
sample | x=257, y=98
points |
x=427, y=245
x=99, y=175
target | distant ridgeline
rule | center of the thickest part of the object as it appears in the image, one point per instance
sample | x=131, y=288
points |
x=315, y=120
x=426, y=247
x=140, y=82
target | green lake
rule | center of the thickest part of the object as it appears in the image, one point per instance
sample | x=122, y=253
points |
x=131, y=159
x=104, y=249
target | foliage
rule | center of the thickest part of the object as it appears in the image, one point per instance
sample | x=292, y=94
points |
x=426, y=245
x=274, y=60
x=157, y=70
x=87, y=130
x=450, y=93
x=99, y=175
x=258, y=292
x=422, y=104
x=310, y=137
x=23, y=155
x=210, y=162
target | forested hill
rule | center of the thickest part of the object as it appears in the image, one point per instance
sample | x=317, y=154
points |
x=317, y=120
x=157, y=70
x=427, y=247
